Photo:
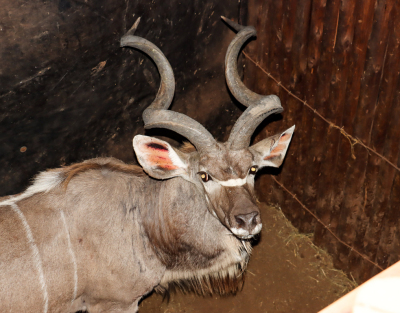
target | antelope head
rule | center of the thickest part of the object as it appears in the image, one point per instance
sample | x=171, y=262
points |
x=223, y=171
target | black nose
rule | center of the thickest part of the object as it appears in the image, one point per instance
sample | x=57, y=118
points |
x=247, y=221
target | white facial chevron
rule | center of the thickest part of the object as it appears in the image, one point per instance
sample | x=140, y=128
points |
x=232, y=182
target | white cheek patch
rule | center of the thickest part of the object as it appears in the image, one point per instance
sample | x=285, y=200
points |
x=232, y=182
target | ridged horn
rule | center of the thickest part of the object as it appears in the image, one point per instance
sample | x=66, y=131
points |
x=157, y=115
x=259, y=106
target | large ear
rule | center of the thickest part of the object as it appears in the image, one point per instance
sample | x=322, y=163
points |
x=159, y=159
x=272, y=150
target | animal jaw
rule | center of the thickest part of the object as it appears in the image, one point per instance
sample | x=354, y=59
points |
x=227, y=273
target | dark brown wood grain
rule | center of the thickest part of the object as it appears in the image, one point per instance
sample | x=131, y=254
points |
x=340, y=58
x=336, y=70
x=254, y=20
x=264, y=17
x=334, y=108
x=294, y=108
x=319, y=127
x=352, y=207
x=379, y=175
x=389, y=249
x=394, y=255
x=301, y=69
x=331, y=187
x=309, y=168
x=269, y=41
x=273, y=54
x=284, y=48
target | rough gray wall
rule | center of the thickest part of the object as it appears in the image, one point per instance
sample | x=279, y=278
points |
x=68, y=92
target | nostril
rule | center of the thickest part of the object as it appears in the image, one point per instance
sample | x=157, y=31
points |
x=246, y=220
x=254, y=220
x=240, y=221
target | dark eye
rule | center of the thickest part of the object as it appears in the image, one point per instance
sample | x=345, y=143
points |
x=253, y=169
x=204, y=177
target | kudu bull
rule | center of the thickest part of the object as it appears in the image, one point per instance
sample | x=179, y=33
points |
x=101, y=234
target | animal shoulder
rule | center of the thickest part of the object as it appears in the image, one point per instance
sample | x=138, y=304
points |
x=109, y=164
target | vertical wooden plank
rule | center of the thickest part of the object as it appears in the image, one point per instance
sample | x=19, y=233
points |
x=270, y=61
x=250, y=71
x=320, y=127
x=337, y=86
x=288, y=27
x=387, y=198
x=330, y=198
x=265, y=15
x=275, y=62
x=352, y=206
x=379, y=174
x=307, y=165
x=395, y=205
x=288, y=18
x=243, y=12
x=390, y=239
x=293, y=179
x=387, y=228
x=293, y=106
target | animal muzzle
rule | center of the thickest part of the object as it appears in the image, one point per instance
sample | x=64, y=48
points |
x=245, y=226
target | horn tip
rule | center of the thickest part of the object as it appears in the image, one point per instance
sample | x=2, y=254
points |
x=237, y=27
x=134, y=27
x=131, y=31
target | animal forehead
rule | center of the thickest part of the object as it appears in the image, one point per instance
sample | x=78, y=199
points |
x=227, y=164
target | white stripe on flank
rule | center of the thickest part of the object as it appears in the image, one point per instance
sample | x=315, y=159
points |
x=44, y=182
x=35, y=253
x=232, y=182
x=71, y=252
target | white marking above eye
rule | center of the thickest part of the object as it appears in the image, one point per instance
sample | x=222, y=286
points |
x=232, y=182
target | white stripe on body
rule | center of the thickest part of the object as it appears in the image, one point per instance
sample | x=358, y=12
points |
x=35, y=253
x=71, y=252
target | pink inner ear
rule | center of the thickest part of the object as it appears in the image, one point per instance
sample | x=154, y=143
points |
x=159, y=161
x=276, y=152
x=280, y=148
x=156, y=146
x=158, y=156
x=285, y=137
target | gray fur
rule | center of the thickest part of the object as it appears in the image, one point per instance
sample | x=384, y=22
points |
x=129, y=234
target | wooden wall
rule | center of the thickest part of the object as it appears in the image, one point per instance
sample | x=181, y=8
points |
x=335, y=65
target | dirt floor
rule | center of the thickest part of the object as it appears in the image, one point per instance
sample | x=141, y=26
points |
x=286, y=273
